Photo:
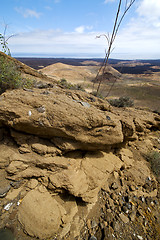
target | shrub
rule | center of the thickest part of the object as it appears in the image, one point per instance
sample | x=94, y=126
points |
x=94, y=93
x=154, y=159
x=157, y=111
x=78, y=87
x=67, y=85
x=121, y=102
x=10, y=77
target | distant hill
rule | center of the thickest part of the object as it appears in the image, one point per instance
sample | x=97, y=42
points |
x=123, y=66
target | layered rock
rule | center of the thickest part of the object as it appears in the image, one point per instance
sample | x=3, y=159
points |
x=58, y=150
x=62, y=116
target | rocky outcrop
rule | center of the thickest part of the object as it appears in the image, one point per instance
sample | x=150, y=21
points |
x=70, y=119
x=62, y=116
x=59, y=150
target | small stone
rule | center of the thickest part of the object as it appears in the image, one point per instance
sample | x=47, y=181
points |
x=116, y=175
x=8, y=206
x=32, y=184
x=119, y=208
x=15, y=184
x=116, y=226
x=133, y=216
x=140, y=212
x=41, y=109
x=156, y=202
x=93, y=224
x=149, y=178
x=132, y=188
x=89, y=225
x=128, y=205
x=109, y=210
x=113, y=196
x=141, y=219
x=13, y=194
x=93, y=238
x=145, y=222
x=114, y=185
x=111, y=203
x=42, y=189
x=109, y=217
x=139, y=237
x=85, y=104
x=108, y=118
x=23, y=150
x=121, y=202
x=102, y=225
x=29, y=113
x=124, y=218
x=143, y=199
x=4, y=190
x=12, y=216
x=125, y=209
x=105, y=223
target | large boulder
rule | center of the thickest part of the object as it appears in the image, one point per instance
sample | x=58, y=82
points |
x=58, y=114
x=39, y=214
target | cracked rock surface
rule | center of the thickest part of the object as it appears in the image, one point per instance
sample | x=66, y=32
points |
x=72, y=167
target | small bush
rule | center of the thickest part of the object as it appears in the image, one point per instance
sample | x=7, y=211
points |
x=121, y=102
x=94, y=93
x=154, y=159
x=157, y=111
x=10, y=77
x=67, y=85
x=78, y=87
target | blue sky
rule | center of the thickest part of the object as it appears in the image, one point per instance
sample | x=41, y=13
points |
x=68, y=28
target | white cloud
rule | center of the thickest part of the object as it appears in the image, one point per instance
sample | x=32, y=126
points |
x=57, y=1
x=56, y=42
x=138, y=39
x=27, y=12
x=107, y=1
x=80, y=29
x=141, y=35
x=132, y=42
x=48, y=8
x=149, y=9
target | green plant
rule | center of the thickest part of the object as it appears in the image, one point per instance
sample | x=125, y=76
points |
x=67, y=85
x=94, y=93
x=154, y=159
x=4, y=41
x=4, y=45
x=121, y=102
x=78, y=87
x=10, y=77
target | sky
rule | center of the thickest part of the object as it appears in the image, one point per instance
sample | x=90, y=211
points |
x=68, y=28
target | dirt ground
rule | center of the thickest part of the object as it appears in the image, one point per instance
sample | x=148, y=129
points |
x=144, y=88
x=123, y=210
